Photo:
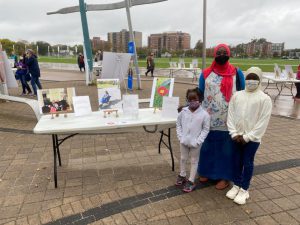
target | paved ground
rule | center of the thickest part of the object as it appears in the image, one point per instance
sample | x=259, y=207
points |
x=121, y=179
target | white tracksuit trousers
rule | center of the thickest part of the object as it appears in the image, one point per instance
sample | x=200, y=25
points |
x=194, y=154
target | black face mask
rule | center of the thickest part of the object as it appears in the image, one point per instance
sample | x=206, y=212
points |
x=222, y=59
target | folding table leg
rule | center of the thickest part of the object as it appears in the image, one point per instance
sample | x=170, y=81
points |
x=54, y=142
x=168, y=145
x=58, y=152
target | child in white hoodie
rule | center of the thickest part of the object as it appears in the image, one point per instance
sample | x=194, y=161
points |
x=248, y=117
x=192, y=128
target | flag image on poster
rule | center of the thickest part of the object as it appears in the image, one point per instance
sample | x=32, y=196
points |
x=161, y=87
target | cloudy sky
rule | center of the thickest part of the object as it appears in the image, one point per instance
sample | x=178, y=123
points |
x=230, y=21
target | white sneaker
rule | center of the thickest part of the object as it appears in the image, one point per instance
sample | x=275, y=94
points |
x=232, y=193
x=241, y=197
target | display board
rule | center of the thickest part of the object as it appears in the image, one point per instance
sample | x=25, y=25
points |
x=7, y=78
x=109, y=94
x=115, y=65
x=161, y=87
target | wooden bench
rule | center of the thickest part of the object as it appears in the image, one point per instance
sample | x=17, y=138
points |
x=31, y=102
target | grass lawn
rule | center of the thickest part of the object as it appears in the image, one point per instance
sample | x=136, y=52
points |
x=267, y=65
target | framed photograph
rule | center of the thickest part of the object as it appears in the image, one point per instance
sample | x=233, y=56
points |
x=161, y=87
x=56, y=100
x=109, y=94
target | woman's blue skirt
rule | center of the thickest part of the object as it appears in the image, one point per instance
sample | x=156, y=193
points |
x=217, y=156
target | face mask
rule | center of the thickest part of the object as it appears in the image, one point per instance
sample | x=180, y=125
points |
x=194, y=105
x=252, y=85
x=222, y=59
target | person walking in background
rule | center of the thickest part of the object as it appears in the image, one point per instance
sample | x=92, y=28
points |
x=218, y=82
x=34, y=70
x=248, y=117
x=150, y=64
x=99, y=56
x=80, y=62
x=23, y=75
x=297, y=97
x=192, y=128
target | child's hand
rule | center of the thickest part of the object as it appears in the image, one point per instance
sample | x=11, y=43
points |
x=239, y=139
x=242, y=141
x=180, y=108
x=235, y=138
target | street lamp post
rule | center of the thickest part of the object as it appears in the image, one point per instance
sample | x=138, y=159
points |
x=204, y=37
x=131, y=35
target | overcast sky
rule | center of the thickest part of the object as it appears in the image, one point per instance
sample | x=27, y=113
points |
x=228, y=21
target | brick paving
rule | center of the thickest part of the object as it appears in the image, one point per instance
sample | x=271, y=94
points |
x=100, y=170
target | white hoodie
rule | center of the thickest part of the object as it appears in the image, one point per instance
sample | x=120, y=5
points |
x=192, y=127
x=249, y=114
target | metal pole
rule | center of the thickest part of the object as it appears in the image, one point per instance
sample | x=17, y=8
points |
x=204, y=37
x=86, y=39
x=131, y=35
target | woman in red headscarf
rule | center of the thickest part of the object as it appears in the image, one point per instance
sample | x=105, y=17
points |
x=217, y=83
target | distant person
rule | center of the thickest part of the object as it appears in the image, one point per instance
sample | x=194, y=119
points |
x=150, y=64
x=99, y=56
x=15, y=58
x=298, y=84
x=192, y=128
x=218, y=83
x=105, y=98
x=248, y=118
x=23, y=76
x=80, y=62
x=34, y=70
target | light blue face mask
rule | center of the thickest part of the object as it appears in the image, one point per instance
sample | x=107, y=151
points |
x=252, y=85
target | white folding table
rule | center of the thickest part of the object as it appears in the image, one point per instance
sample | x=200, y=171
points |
x=280, y=84
x=95, y=123
x=195, y=71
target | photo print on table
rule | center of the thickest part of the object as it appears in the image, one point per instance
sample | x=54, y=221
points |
x=56, y=100
x=109, y=94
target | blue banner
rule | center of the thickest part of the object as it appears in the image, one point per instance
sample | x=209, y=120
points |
x=131, y=47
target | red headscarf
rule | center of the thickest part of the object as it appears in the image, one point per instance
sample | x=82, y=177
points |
x=227, y=71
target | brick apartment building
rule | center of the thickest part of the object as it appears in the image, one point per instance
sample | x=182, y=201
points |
x=119, y=40
x=169, y=41
x=98, y=44
x=266, y=49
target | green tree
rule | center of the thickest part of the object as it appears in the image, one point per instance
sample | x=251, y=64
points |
x=7, y=45
x=43, y=47
x=143, y=52
x=199, y=45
